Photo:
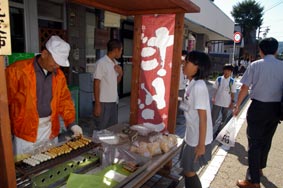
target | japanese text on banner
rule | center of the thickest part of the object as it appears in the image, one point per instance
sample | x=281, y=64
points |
x=5, y=37
x=155, y=74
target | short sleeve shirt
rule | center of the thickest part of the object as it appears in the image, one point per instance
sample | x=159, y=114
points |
x=105, y=72
x=265, y=77
x=182, y=81
x=197, y=98
x=223, y=91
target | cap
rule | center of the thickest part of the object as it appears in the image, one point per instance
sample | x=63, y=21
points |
x=228, y=67
x=59, y=50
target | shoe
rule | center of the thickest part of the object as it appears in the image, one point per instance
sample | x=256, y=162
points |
x=247, y=184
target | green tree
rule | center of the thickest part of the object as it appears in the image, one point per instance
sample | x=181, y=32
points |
x=249, y=15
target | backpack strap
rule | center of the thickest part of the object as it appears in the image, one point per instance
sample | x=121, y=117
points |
x=219, y=80
x=231, y=82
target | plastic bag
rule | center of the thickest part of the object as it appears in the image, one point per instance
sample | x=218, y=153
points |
x=119, y=154
x=227, y=135
x=105, y=136
x=142, y=130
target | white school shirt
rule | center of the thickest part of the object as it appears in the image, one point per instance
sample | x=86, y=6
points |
x=105, y=72
x=183, y=80
x=197, y=97
x=223, y=96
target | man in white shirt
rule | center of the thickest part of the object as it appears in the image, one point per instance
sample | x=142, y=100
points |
x=223, y=98
x=107, y=75
x=264, y=79
x=243, y=65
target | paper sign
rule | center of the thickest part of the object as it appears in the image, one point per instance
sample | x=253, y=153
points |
x=5, y=36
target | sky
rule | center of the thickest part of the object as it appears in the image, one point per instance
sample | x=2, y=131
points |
x=272, y=17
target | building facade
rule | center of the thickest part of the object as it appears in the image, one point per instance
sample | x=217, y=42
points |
x=88, y=29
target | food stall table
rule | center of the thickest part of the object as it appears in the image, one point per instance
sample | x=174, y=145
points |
x=153, y=165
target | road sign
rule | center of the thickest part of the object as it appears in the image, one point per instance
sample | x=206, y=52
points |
x=237, y=37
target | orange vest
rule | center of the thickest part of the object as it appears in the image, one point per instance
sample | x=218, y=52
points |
x=21, y=88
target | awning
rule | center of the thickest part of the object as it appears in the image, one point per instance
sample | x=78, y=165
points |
x=142, y=7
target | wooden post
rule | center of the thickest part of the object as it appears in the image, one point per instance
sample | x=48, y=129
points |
x=175, y=78
x=175, y=75
x=135, y=70
x=7, y=166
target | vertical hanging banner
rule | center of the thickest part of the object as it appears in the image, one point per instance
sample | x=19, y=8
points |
x=155, y=76
x=5, y=37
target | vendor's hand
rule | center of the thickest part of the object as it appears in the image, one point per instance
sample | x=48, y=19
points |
x=118, y=69
x=77, y=130
x=97, y=109
x=199, y=151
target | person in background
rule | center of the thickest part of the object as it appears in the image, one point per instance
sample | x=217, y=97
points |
x=107, y=75
x=248, y=62
x=223, y=98
x=198, y=136
x=38, y=95
x=183, y=79
x=236, y=68
x=242, y=65
x=265, y=78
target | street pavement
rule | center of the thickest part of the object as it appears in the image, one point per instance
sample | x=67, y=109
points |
x=235, y=163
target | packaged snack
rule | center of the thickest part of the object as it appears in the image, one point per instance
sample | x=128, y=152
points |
x=130, y=165
x=154, y=148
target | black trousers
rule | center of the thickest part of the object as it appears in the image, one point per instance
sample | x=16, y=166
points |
x=262, y=118
x=108, y=116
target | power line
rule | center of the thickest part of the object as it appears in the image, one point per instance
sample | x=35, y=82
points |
x=274, y=32
x=274, y=20
x=273, y=6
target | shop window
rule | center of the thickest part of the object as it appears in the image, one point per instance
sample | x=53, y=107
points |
x=17, y=1
x=17, y=29
x=51, y=11
x=50, y=20
x=50, y=24
x=90, y=30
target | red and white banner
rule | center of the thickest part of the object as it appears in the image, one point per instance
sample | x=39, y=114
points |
x=155, y=76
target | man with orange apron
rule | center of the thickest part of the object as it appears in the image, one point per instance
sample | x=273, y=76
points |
x=38, y=95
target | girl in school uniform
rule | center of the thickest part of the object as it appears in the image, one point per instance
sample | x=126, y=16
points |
x=196, y=105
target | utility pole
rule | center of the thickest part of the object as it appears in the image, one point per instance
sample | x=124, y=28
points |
x=258, y=32
x=264, y=35
x=265, y=31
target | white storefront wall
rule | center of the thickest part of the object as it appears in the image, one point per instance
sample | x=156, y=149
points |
x=211, y=21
